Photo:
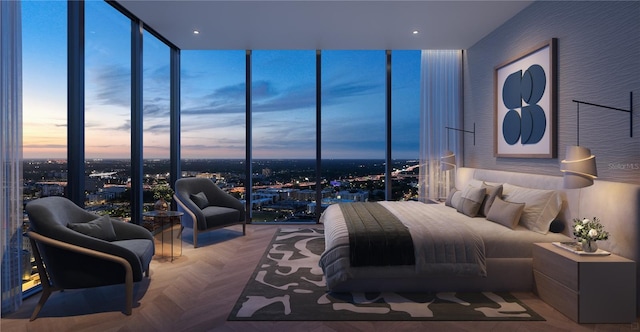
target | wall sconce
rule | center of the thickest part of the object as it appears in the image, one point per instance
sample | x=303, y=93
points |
x=579, y=165
x=448, y=159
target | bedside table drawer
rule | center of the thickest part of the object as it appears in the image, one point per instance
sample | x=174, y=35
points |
x=557, y=267
x=558, y=296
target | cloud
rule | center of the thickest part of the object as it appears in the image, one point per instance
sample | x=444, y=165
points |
x=266, y=98
x=156, y=108
x=44, y=146
x=158, y=128
x=111, y=84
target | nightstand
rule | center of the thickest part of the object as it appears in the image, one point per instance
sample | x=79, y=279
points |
x=587, y=289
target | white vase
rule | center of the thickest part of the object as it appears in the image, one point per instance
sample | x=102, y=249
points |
x=589, y=245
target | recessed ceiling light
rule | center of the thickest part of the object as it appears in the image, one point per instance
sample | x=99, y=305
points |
x=415, y=32
x=196, y=32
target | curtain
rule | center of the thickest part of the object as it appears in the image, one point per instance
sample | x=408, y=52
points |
x=440, y=107
x=11, y=154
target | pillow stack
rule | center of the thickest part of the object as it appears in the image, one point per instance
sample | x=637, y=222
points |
x=508, y=205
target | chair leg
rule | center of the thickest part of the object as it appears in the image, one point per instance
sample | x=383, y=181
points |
x=46, y=292
x=195, y=236
x=47, y=288
x=244, y=228
x=128, y=291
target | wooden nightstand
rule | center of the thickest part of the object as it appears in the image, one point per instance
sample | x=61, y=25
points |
x=588, y=289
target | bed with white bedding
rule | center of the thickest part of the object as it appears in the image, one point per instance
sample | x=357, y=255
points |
x=507, y=252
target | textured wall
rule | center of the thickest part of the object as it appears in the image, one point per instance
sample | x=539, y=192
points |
x=598, y=61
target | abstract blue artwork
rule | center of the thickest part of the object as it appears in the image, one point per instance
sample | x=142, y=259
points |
x=524, y=105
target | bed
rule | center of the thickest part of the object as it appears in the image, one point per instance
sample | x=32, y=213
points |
x=506, y=263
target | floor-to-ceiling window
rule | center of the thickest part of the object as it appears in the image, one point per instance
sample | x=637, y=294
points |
x=156, y=80
x=213, y=121
x=283, y=91
x=213, y=117
x=107, y=109
x=353, y=125
x=405, y=113
x=44, y=110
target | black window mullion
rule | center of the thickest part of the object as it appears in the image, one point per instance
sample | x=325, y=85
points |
x=174, y=121
x=136, y=122
x=75, y=102
x=388, y=161
x=248, y=185
x=318, y=209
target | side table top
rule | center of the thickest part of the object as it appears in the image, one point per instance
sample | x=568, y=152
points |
x=157, y=213
x=582, y=258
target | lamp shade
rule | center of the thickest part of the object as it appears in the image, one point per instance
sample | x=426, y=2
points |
x=579, y=167
x=448, y=161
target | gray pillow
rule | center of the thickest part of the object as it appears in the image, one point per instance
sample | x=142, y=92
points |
x=505, y=213
x=492, y=193
x=448, y=202
x=100, y=228
x=470, y=201
x=200, y=199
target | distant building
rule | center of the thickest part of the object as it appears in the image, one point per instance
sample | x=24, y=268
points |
x=358, y=196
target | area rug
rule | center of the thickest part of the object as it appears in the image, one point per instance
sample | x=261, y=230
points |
x=288, y=284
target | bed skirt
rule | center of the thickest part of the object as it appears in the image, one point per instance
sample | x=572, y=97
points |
x=503, y=274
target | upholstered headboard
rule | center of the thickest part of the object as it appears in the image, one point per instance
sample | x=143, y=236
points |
x=616, y=204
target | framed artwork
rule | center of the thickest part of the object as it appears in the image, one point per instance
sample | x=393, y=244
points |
x=525, y=101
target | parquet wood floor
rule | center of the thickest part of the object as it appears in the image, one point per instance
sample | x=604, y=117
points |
x=197, y=291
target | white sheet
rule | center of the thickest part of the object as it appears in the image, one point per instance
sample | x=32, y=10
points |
x=499, y=241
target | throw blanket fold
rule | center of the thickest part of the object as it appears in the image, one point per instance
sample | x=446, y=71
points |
x=376, y=236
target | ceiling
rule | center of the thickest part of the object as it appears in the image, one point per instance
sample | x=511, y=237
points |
x=332, y=24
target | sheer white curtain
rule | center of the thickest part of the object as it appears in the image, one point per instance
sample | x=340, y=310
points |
x=440, y=107
x=11, y=153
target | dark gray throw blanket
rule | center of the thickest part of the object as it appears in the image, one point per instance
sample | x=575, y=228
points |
x=376, y=236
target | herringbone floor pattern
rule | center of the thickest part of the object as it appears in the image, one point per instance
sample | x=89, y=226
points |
x=196, y=292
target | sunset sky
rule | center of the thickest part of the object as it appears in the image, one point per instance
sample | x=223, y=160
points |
x=212, y=95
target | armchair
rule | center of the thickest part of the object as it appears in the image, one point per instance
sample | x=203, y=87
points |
x=74, y=248
x=208, y=206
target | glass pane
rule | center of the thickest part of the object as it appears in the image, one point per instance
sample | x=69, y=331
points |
x=44, y=110
x=405, y=124
x=107, y=109
x=213, y=118
x=284, y=127
x=353, y=125
x=156, y=79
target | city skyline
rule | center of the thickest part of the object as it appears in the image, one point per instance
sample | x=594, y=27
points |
x=212, y=96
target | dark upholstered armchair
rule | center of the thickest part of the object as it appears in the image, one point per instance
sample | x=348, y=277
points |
x=74, y=249
x=208, y=206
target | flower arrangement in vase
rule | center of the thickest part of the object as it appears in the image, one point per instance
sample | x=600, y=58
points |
x=588, y=231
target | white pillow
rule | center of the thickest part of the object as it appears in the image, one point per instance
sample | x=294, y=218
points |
x=476, y=183
x=541, y=206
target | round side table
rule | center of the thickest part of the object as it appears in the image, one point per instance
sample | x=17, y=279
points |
x=165, y=222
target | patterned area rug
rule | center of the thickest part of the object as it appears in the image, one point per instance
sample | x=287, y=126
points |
x=288, y=284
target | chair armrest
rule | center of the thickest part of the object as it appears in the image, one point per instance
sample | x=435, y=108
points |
x=192, y=209
x=128, y=268
x=68, y=236
x=81, y=250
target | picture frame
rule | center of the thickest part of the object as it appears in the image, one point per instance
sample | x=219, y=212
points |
x=525, y=104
